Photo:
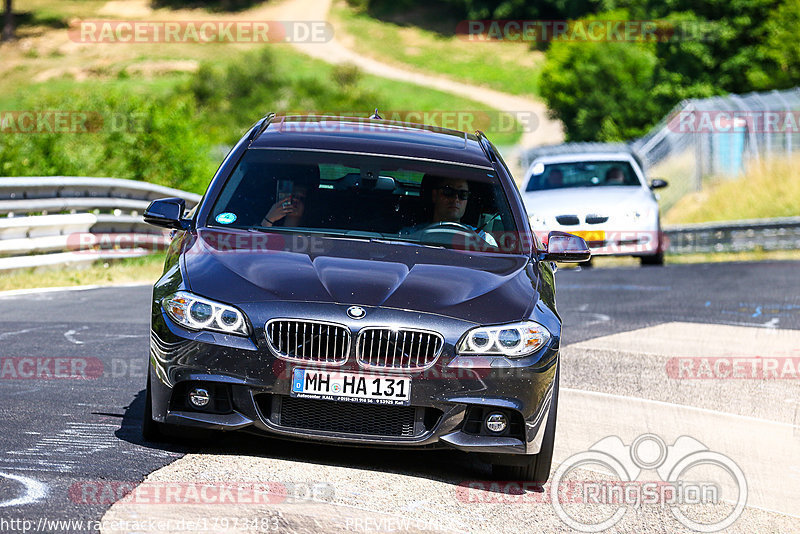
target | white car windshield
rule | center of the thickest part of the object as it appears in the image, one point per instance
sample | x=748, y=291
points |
x=581, y=174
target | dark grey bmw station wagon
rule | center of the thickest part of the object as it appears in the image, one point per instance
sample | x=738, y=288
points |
x=361, y=282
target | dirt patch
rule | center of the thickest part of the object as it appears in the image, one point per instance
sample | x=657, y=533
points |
x=126, y=8
x=157, y=68
x=77, y=73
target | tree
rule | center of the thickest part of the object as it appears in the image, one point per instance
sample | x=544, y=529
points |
x=8, y=22
x=602, y=91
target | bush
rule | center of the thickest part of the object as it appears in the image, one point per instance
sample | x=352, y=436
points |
x=346, y=75
x=600, y=91
x=155, y=140
x=174, y=139
x=233, y=95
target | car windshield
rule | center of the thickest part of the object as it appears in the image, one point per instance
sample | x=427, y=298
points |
x=364, y=196
x=581, y=174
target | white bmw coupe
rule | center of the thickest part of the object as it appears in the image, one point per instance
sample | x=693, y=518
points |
x=599, y=195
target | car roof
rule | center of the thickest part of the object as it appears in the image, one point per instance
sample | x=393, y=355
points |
x=570, y=152
x=373, y=136
x=597, y=156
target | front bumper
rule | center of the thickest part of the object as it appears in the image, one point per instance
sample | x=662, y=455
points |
x=443, y=397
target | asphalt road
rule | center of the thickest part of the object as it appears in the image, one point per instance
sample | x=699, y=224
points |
x=61, y=436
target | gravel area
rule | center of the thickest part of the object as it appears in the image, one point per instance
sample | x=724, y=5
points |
x=385, y=500
x=633, y=374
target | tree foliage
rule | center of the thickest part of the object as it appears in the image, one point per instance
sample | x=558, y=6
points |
x=616, y=90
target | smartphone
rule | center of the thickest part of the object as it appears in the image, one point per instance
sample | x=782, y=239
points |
x=284, y=192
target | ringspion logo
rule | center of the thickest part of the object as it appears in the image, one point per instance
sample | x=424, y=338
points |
x=690, y=477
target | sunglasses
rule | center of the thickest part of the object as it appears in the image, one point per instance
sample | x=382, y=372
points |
x=449, y=192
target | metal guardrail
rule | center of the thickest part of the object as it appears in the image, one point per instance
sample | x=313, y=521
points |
x=57, y=220
x=735, y=236
x=30, y=236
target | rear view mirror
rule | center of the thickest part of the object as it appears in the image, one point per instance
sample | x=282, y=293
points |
x=166, y=212
x=567, y=248
x=658, y=183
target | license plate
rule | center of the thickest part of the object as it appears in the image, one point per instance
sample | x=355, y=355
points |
x=351, y=387
x=590, y=235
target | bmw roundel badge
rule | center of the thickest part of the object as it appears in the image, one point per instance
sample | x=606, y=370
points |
x=356, y=312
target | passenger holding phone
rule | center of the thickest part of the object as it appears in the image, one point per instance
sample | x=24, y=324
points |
x=288, y=211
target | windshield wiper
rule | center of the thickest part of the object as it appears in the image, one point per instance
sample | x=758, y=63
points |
x=386, y=241
x=331, y=235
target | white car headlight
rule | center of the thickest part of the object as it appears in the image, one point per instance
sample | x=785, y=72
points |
x=638, y=214
x=514, y=340
x=537, y=221
x=632, y=215
x=198, y=313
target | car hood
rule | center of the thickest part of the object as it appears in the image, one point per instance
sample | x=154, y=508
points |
x=477, y=287
x=586, y=200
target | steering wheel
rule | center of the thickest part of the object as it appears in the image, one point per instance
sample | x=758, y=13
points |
x=450, y=225
x=451, y=234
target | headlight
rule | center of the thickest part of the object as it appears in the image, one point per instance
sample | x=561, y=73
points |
x=514, y=340
x=638, y=214
x=633, y=215
x=198, y=313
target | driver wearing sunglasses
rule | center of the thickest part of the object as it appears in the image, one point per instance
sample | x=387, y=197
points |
x=450, y=200
x=450, y=197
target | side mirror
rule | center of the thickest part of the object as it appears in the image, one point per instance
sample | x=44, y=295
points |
x=658, y=183
x=166, y=212
x=565, y=247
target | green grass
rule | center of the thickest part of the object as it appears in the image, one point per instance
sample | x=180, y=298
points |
x=109, y=67
x=60, y=9
x=767, y=190
x=505, y=66
x=155, y=88
x=724, y=257
x=146, y=269
x=292, y=66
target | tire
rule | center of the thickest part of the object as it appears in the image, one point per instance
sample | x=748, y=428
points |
x=655, y=259
x=658, y=257
x=537, y=469
x=151, y=430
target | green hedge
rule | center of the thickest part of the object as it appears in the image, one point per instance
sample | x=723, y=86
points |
x=170, y=138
